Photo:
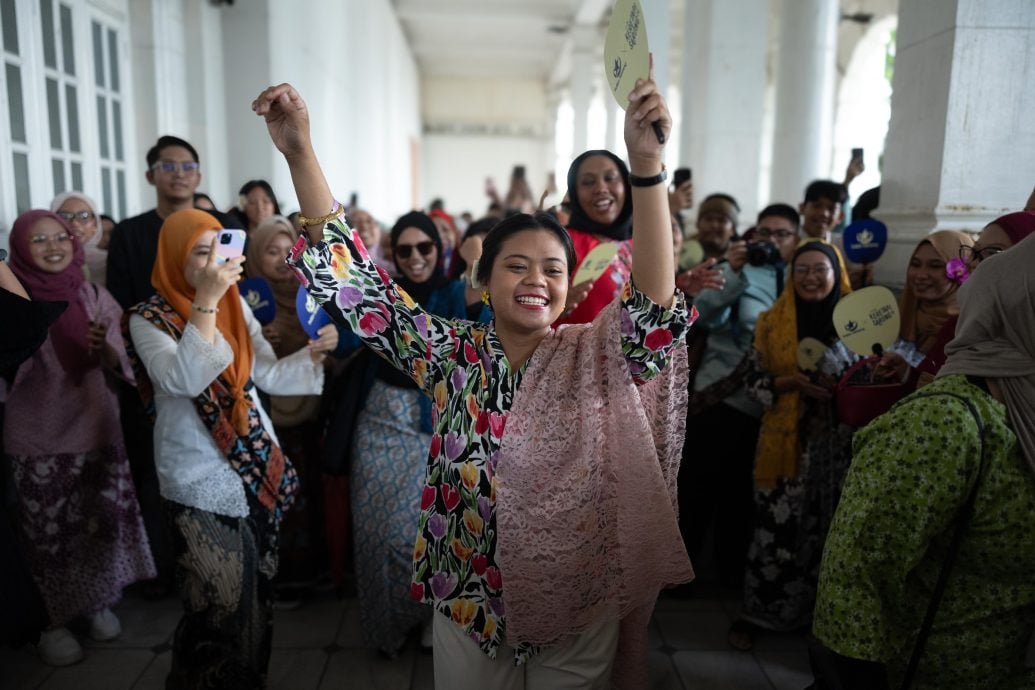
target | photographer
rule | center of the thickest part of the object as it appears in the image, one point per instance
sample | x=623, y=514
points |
x=715, y=478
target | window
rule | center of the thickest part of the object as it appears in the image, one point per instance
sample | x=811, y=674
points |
x=13, y=70
x=108, y=89
x=61, y=86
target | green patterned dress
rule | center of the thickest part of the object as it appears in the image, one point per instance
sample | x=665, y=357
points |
x=912, y=470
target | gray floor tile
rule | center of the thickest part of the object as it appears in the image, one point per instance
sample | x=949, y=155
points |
x=141, y=629
x=786, y=670
x=21, y=668
x=711, y=670
x=423, y=673
x=296, y=669
x=111, y=669
x=362, y=668
x=697, y=630
x=313, y=625
x=154, y=675
x=766, y=641
x=350, y=634
x=663, y=675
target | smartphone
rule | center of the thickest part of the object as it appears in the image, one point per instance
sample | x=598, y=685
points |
x=229, y=244
x=857, y=153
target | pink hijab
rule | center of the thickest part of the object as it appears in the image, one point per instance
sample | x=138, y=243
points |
x=69, y=332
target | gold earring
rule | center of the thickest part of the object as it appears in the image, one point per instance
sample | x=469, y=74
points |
x=485, y=298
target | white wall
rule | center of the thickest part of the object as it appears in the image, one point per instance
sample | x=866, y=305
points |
x=476, y=128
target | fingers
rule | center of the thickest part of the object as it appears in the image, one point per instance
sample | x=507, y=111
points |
x=281, y=93
x=211, y=260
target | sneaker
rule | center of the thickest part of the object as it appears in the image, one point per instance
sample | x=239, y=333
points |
x=58, y=647
x=104, y=625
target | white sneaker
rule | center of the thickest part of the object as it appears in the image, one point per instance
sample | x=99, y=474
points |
x=58, y=647
x=104, y=625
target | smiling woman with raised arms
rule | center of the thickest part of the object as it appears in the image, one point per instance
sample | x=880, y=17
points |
x=552, y=539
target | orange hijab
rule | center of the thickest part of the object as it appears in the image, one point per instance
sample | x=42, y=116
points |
x=179, y=234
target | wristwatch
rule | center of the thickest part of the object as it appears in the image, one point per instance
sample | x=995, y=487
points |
x=637, y=181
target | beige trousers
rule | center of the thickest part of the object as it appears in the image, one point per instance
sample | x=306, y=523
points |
x=582, y=662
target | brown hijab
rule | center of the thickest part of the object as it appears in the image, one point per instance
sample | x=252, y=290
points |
x=922, y=320
x=285, y=289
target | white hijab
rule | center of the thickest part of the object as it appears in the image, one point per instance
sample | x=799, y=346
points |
x=995, y=335
x=96, y=258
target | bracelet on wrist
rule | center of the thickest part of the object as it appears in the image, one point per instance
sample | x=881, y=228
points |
x=336, y=211
x=204, y=310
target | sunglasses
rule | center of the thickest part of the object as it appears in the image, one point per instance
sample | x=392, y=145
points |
x=403, y=251
x=72, y=216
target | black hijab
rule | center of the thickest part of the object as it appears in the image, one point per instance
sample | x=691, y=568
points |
x=816, y=319
x=419, y=291
x=621, y=228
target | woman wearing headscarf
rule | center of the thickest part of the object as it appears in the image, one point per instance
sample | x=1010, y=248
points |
x=223, y=477
x=920, y=364
x=802, y=452
x=81, y=214
x=970, y=431
x=390, y=438
x=81, y=525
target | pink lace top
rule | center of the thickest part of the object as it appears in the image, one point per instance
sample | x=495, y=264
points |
x=462, y=367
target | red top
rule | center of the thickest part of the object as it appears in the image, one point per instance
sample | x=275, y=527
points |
x=608, y=286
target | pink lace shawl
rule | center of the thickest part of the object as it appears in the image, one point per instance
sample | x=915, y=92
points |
x=586, y=490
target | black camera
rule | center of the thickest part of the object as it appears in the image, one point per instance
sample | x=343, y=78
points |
x=762, y=253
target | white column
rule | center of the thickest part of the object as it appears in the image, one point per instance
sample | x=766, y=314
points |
x=658, y=16
x=806, y=72
x=585, y=63
x=959, y=145
x=722, y=99
x=611, y=126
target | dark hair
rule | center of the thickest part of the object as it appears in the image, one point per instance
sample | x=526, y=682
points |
x=198, y=196
x=436, y=205
x=480, y=227
x=724, y=197
x=512, y=225
x=826, y=189
x=781, y=211
x=105, y=216
x=265, y=186
x=868, y=201
x=680, y=176
x=165, y=142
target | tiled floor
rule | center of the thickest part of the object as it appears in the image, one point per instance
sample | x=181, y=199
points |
x=320, y=646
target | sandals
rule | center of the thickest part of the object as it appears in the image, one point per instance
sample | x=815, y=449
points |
x=741, y=635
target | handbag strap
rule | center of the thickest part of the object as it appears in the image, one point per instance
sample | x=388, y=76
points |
x=962, y=521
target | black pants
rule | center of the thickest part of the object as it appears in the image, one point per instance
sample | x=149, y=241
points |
x=715, y=487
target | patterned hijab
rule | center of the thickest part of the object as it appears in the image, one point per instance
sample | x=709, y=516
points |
x=179, y=234
x=621, y=228
x=923, y=320
x=995, y=336
x=69, y=332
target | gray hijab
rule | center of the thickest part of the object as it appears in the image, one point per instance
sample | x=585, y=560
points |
x=995, y=335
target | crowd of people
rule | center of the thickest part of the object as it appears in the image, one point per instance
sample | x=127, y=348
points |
x=508, y=466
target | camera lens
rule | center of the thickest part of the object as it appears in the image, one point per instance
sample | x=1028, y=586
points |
x=224, y=239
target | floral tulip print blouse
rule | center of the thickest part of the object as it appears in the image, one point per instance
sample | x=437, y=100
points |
x=462, y=366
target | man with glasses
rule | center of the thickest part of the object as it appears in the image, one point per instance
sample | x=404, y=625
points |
x=715, y=479
x=173, y=170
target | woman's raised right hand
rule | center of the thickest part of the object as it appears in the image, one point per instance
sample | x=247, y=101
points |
x=214, y=279
x=287, y=119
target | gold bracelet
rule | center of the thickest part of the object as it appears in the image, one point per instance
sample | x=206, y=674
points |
x=204, y=310
x=305, y=221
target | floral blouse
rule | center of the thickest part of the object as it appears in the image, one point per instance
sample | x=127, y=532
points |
x=462, y=367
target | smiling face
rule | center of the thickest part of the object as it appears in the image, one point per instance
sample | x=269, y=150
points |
x=198, y=257
x=50, y=246
x=992, y=240
x=819, y=217
x=714, y=232
x=529, y=281
x=600, y=189
x=71, y=211
x=418, y=265
x=813, y=276
x=926, y=274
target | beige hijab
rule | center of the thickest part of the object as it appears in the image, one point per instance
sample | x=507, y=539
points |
x=96, y=258
x=292, y=336
x=922, y=321
x=995, y=336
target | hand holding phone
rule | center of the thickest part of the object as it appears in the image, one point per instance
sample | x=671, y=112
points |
x=230, y=244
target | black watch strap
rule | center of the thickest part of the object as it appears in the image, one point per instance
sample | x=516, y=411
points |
x=637, y=181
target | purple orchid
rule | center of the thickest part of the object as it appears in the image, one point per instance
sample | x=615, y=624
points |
x=957, y=270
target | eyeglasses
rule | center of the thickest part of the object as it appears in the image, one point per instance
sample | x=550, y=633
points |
x=403, y=251
x=80, y=216
x=173, y=166
x=63, y=238
x=971, y=254
x=767, y=234
x=819, y=269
